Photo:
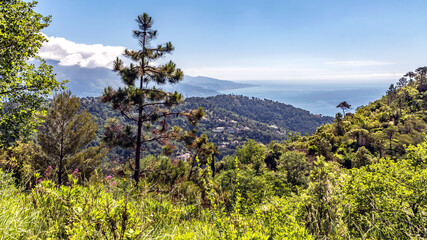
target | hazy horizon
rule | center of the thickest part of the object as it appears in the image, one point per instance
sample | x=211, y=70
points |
x=322, y=49
x=327, y=41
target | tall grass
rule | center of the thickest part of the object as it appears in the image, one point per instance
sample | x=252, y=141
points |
x=102, y=211
x=18, y=218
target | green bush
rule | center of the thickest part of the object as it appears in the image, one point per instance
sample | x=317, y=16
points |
x=386, y=200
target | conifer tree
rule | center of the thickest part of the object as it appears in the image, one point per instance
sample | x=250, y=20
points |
x=422, y=71
x=344, y=106
x=410, y=75
x=391, y=93
x=402, y=82
x=66, y=133
x=147, y=107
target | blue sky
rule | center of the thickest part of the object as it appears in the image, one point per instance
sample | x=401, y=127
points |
x=305, y=41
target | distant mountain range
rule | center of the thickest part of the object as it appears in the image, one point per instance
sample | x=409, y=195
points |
x=204, y=86
x=84, y=82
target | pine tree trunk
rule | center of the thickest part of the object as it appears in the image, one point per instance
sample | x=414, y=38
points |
x=138, y=137
x=213, y=165
x=60, y=172
x=61, y=155
x=138, y=147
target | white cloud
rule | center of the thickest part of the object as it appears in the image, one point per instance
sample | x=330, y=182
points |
x=69, y=53
x=356, y=63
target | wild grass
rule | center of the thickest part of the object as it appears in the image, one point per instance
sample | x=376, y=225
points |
x=105, y=211
x=18, y=218
x=385, y=200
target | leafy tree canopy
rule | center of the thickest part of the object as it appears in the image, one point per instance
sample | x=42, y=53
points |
x=23, y=85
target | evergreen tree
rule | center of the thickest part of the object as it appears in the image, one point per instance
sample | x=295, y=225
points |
x=410, y=75
x=391, y=93
x=344, y=106
x=402, y=82
x=23, y=86
x=422, y=71
x=148, y=107
x=362, y=158
x=253, y=155
x=296, y=166
x=66, y=133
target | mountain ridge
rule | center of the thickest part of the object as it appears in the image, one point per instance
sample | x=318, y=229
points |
x=92, y=81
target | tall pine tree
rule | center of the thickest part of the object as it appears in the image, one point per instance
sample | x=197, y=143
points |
x=147, y=107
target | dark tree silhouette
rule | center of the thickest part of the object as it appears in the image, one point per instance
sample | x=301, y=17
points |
x=402, y=82
x=410, y=75
x=344, y=106
x=422, y=71
x=391, y=92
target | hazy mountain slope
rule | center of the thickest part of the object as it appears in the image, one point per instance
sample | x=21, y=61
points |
x=92, y=81
x=86, y=81
x=203, y=86
x=190, y=90
x=215, y=84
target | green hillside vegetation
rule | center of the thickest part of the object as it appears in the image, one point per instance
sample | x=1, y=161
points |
x=283, y=116
x=245, y=200
x=381, y=129
x=364, y=176
x=229, y=120
x=282, y=190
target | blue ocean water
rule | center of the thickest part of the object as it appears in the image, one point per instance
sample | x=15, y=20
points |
x=318, y=99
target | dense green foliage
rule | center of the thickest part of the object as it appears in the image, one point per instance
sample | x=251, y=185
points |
x=23, y=85
x=380, y=129
x=65, y=134
x=114, y=210
x=224, y=124
x=283, y=116
x=18, y=218
x=381, y=201
x=364, y=176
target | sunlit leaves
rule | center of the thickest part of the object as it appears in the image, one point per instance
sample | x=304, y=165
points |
x=23, y=86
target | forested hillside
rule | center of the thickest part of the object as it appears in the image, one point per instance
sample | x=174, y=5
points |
x=282, y=115
x=362, y=176
x=381, y=129
x=229, y=120
x=142, y=163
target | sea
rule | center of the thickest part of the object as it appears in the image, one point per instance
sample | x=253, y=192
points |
x=315, y=98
